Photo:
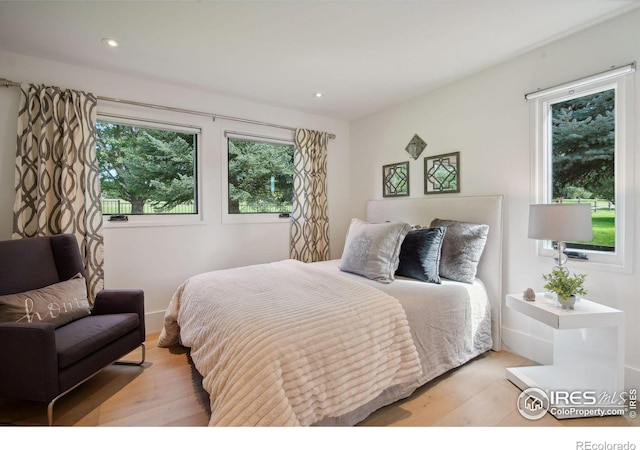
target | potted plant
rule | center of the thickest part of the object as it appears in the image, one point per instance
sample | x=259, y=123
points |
x=564, y=286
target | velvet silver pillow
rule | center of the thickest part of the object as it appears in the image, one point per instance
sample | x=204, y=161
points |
x=372, y=249
x=462, y=248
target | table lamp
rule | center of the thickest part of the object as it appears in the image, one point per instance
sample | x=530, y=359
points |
x=560, y=222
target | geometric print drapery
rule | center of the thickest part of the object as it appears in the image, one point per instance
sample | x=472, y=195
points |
x=309, y=217
x=57, y=179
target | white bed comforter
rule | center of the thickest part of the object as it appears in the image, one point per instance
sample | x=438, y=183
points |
x=285, y=344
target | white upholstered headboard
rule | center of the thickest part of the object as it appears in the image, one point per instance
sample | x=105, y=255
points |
x=485, y=209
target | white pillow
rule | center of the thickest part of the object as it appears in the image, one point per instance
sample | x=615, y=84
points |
x=372, y=249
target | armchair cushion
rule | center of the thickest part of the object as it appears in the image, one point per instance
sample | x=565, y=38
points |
x=84, y=337
x=59, y=303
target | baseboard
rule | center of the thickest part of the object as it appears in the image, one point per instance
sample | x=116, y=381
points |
x=528, y=346
x=154, y=321
x=631, y=378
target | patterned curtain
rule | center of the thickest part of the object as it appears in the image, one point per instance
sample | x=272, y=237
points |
x=57, y=178
x=309, y=218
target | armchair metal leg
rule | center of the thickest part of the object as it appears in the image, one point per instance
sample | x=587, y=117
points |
x=50, y=410
x=134, y=363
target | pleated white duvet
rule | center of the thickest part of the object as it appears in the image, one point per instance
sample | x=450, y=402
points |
x=286, y=344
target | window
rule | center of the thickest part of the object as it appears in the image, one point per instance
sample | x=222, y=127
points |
x=259, y=177
x=582, y=145
x=146, y=168
x=581, y=140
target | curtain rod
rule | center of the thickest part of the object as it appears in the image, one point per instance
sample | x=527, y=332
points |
x=7, y=83
x=613, y=72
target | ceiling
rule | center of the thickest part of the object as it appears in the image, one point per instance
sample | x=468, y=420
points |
x=364, y=56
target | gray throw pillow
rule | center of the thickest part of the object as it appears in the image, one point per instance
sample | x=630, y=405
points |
x=462, y=248
x=372, y=249
x=58, y=304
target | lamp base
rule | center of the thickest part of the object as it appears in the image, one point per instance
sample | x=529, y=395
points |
x=562, y=258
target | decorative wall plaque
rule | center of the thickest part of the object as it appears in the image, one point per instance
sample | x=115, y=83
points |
x=416, y=146
x=395, y=180
x=442, y=173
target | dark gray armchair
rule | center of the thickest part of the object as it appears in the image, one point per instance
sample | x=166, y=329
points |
x=42, y=361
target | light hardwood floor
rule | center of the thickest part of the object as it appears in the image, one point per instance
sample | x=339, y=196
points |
x=168, y=392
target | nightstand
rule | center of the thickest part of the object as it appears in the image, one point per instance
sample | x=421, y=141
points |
x=588, y=356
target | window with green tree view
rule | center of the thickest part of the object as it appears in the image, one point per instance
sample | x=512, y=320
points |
x=583, y=143
x=260, y=175
x=146, y=168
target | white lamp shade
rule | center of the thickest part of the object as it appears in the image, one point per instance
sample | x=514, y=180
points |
x=560, y=222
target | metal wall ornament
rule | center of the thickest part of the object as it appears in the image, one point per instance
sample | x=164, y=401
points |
x=395, y=180
x=442, y=173
x=416, y=146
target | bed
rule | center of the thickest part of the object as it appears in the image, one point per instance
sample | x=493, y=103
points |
x=289, y=344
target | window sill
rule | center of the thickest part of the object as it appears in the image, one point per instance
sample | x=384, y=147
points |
x=153, y=221
x=596, y=262
x=233, y=219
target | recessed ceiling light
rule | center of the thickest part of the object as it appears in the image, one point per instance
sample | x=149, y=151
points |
x=318, y=94
x=110, y=42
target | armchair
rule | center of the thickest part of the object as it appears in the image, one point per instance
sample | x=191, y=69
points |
x=44, y=355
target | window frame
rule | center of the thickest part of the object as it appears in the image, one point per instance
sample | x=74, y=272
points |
x=168, y=120
x=256, y=133
x=621, y=259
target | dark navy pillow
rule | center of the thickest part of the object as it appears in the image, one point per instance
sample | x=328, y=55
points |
x=420, y=254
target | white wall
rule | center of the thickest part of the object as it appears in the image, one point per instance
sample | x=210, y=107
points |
x=158, y=259
x=486, y=118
